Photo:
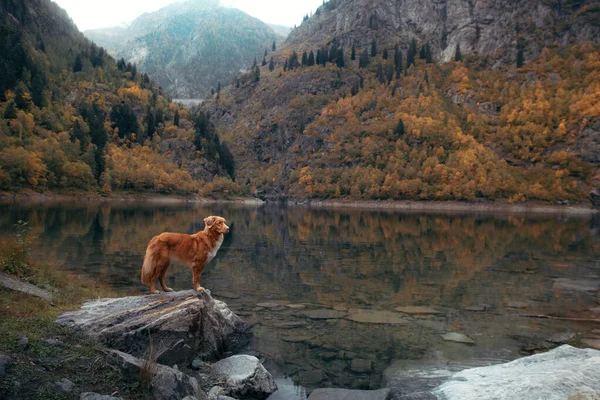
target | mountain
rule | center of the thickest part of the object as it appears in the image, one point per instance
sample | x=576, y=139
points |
x=188, y=47
x=73, y=118
x=281, y=30
x=371, y=100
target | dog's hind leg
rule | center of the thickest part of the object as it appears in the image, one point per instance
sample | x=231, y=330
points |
x=162, y=268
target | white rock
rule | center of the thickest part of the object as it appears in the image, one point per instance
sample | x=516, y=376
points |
x=554, y=375
x=458, y=338
x=245, y=377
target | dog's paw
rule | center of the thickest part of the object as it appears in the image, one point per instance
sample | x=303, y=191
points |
x=168, y=290
x=199, y=289
x=156, y=292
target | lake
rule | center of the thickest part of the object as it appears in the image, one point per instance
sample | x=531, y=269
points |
x=330, y=293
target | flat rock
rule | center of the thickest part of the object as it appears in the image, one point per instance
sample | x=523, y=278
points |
x=593, y=343
x=96, y=396
x=183, y=325
x=245, y=377
x=11, y=283
x=554, y=375
x=290, y=324
x=296, y=306
x=418, y=310
x=297, y=338
x=345, y=394
x=272, y=304
x=581, y=285
x=166, y=383
x=458, y=338
x=479, y=308
x=361, y=365
x=63, y=386
x=377, y=317
x=561, y=337
x=312, y=377
x=323, y=313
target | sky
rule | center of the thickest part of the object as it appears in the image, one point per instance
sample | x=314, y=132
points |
x=93, y=14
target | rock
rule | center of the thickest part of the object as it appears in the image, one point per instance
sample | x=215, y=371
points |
x=272, y=304
x=312, y=377
x=165, y=382
x=479, y=308
x=96, y=396
x=582, y=285
x=361, y=366
x=245, y=377
x=23, y=342
x=345, y=394
x=63, y=386
x=329, y=355
x=458, y=338
x=595, y=310
x=215, y=392
x=418, y=310
x=585, y=395
x=184, y=325
x=5, y=365
x=55, y=342
x=290, y=325
x=554, y=375
x=561, y=337
x=297, y=338
x=323, y=313
x=296, y=306
x=11, y=283
x=595, y=197
x=376, y=317
x=197, y=364
x=227, y=295
x=592, y=343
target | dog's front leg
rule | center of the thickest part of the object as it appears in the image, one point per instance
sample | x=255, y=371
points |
x=196, y=273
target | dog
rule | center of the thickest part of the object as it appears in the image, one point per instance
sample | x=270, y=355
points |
x=195, y=250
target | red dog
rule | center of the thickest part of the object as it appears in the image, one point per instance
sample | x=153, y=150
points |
x=194, y=250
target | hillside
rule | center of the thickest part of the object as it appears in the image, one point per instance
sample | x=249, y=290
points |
x=190, y=46
x=515, y=117
x=73, y=118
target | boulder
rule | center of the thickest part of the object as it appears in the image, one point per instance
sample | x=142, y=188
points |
x=323, y=313
x=5, y=365
x=11, y=283
x=182, y=325
x=244, y=377
x=345, y=394
x=96, y=396
x=165, y=382
x=63, y=386
x=557, y=374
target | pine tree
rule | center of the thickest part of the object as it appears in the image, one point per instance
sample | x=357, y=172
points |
x=353, y=54
x=271, y=65
x=399, y=129
x=265, y=56
x=77, y=65
x=237, y=83
x=363, y=60
x=176, y=118
x=285, y=66
x=390, y=74
x=318, y=58
x=10, y=112
x=422, y=54
x=293, y=61
x=274, y=46
x=304, y=59
x=520, y=52
x=385, y=54
x=333, y=54
x=380, y=75
x=354, y=90
x=428, y=57
x=256, y=74
x=311, y=59
x=255, y=63
x=410, y=58
x=324, y=56
x=413, y=47
x=219, y=87
x=373, y=48
x=150, y=123
x=264, y=61
x=457, y=54
x=340, y=58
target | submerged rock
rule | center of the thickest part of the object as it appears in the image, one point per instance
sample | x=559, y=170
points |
x=458, y=338
x=245, y=377
x=181, y=325
x=345, y=394
x=165, y=382
x=418, y=310
x=323, y=314
x=377, y=317
x=554, y=375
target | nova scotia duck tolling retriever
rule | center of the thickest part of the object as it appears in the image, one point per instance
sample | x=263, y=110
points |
x=193, y=250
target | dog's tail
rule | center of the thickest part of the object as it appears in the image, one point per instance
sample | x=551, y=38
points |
x=149, y=263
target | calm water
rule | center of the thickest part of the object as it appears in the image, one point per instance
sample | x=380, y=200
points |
x=352, y=264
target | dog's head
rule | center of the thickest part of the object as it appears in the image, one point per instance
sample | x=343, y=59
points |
x=216, y=224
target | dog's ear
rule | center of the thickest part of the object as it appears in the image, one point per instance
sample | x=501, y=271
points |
x=210, y=221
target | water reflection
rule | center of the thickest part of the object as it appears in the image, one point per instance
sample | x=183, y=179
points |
x=300, y=260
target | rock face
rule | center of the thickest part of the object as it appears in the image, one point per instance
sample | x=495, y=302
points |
x=245, y=377
x=182, y=325
x=483, y=27
x=343, y=394
x=165, y=383
x=555, y=375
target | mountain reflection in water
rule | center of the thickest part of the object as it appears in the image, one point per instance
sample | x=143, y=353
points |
x=321, y=288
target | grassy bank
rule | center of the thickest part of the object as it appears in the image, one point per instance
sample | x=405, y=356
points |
x=52, y=352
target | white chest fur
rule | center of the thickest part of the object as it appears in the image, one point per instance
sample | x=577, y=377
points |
x=213, y=252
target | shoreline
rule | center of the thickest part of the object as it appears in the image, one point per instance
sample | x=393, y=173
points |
x=453, y=206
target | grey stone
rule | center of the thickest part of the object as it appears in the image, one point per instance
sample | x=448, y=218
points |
x=345, y=394
x=311, y=377
x=554, y=375
x=197, y=364
x=63, y=386
x=215, y=392
x=592, y=343
x=272, y=304
x=581, y=285
x=5, y=365
x=377, y=317
x=55, y=342
x=290, y=324
x=297, y=338
x=561, y=337
x=23, y=342
x=165, y=383
x=245, y=377
x=96, y=396
x=296, y=306
x=323, y=313
x=418, y=310
x=184, y=325
x=585, y=395
x=362, y=366
x=458, y=338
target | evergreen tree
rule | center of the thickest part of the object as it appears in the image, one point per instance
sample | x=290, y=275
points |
x=10, y=112
x=304, y=59
x=219, y=87
x=390, y=74
x=150, y=123
x=373, y=48
x=333, y=54
x=77, y=65
x=226, y=159
x=176, y=118
x=398, y=61
x=410, y=58
x=354, y=89
x=318, y=58
x=422, y=54
x=80, y=133
x=324, y=56
x=255, y=63
x=237, y=83
x=340, y=58
x=123, y=118
x=133, y=72
x=399, y=129
x=413, y=47
x=271, y=65
x=428, y=56
x=311, y=59
x=256, y=74
x=520, y=52
x=264, y=61
x=265, y=56
x=385, y=54
x=285, y=66
x=363, y=60
x=457, y=54
x=353, y=54
x=293, y=61
x=274, y=46
x=380, y=75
